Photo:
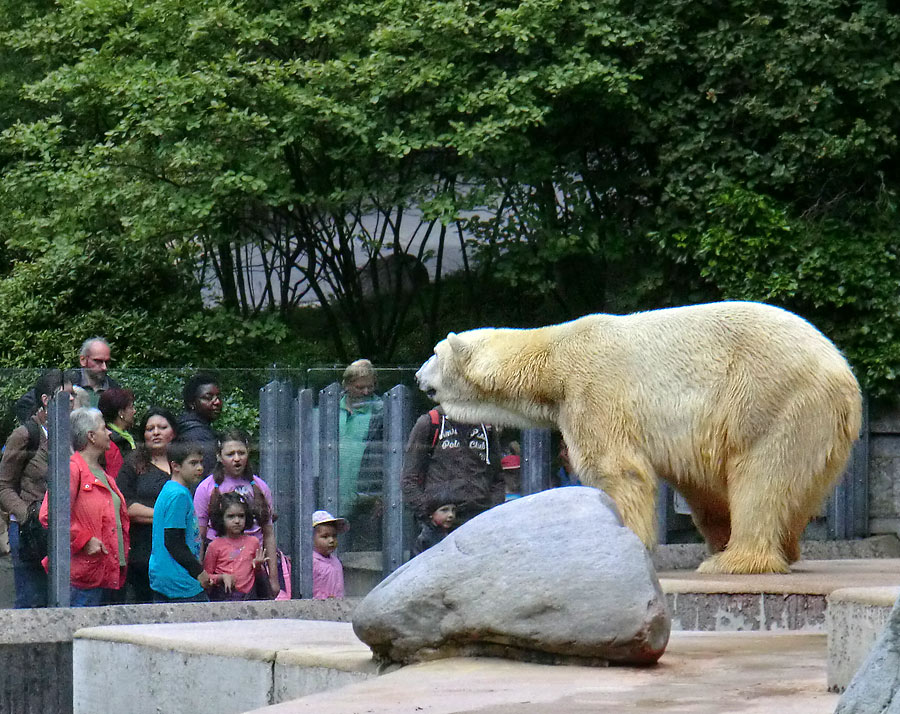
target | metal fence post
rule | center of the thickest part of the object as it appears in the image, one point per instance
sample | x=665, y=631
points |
x=663, y=497
x=397, y=425
x=847, y=512
x=276, y=439
x=302, y=574
x=58, y=546
x=859, y=504
x=535, y=460
x=329, y=448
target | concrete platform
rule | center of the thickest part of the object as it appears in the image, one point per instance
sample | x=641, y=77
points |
x=768, y=653
x=700, y=673
x=220, y=667
x=232, y=667
x=794, y=602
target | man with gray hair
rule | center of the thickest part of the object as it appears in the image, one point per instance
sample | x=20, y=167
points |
x=89, y=380
x=94, y=358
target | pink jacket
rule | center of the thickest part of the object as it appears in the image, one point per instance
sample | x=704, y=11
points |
x=93, y=515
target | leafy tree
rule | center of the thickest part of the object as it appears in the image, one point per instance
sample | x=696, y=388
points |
x=676, y=152
x=609, y=155
x=233, y=133
x=777, y=140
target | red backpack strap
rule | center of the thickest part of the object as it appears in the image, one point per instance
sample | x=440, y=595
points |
x=435, y=420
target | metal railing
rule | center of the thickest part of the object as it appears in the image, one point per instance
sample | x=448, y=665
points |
x=299, y=448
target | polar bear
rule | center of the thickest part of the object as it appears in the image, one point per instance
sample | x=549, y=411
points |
x=745, y=408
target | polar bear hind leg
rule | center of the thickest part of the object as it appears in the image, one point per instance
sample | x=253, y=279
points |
x=822, y=486
x=709, y=511
x=771, y=492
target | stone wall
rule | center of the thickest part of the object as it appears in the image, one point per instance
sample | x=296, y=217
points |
x=884, y=469
x=36, y=678
x=36, y=645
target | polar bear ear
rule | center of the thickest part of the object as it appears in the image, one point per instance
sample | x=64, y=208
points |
x=458, y=344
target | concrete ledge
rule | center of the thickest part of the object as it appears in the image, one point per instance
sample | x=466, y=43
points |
x=796, y=601
x=687, y=556
x=736, y=612
x=226, y=667
x=819, y=577
x=700, y=673
x=293, y=663
x=36, y=645
x=854, y=619
x=18, y=627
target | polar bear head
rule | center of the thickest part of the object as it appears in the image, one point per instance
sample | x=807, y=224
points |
x=490, y=375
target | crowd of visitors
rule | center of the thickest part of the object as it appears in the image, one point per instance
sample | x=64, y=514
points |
x=175, y=511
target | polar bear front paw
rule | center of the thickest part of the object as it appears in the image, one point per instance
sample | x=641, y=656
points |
x=736, y=561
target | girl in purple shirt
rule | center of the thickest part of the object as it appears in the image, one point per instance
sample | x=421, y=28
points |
x=234, y=472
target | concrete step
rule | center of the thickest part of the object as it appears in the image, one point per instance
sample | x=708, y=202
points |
x=796, y=601
x=286, y=666
x=221, y=667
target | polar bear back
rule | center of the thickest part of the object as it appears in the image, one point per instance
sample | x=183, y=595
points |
x=696, y=376
x=673, y=378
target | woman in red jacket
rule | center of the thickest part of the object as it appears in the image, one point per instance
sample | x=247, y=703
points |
x=99, y=521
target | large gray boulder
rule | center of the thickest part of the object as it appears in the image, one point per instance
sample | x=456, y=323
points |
x=875, y=688
x=550, y=577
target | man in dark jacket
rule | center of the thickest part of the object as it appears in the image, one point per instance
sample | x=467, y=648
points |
x=461, y=461
x=203, y=406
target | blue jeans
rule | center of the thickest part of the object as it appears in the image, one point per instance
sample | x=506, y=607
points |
x=30, y=578
x=89, y=597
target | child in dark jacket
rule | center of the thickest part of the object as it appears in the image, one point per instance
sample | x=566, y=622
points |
x=441, y=521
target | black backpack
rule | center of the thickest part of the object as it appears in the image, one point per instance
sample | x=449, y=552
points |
x=32, y=535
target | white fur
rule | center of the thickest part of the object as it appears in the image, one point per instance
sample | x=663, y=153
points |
x=745, y=408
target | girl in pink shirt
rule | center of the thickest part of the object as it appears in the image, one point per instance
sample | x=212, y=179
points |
x=234, y=557
x=328, y=573
x=234, y=472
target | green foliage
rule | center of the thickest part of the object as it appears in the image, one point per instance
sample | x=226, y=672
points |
x=750, y=155
x=750, y=247
x=154, y=387
x=212, y=127
x=13, y=384
x=163, y=387
x=604, y=156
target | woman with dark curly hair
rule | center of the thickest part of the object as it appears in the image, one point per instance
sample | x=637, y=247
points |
x=141, y=478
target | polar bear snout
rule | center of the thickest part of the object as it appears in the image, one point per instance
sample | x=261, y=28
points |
x=425, y=377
